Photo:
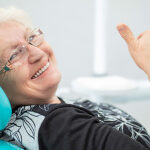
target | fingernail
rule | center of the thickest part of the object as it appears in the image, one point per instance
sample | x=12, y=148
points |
x=121, y=27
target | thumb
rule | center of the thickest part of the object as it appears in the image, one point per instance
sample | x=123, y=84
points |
x=126, y=34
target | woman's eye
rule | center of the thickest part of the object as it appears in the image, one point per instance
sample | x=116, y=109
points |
x=13, y=56
x=31, y=38
x=18, y=52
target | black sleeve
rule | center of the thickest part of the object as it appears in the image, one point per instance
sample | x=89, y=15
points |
x=73, y=128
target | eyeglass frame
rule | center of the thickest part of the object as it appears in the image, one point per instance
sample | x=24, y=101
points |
x=8, y=64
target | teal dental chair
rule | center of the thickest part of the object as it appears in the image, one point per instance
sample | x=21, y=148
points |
x=5, y=115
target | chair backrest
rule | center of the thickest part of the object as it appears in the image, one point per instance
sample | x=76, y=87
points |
x=5, y=115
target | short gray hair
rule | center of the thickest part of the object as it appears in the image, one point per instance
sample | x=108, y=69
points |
x=15, y=14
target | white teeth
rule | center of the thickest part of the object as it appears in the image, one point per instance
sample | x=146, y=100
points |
x=41, y=70
x=47, y=64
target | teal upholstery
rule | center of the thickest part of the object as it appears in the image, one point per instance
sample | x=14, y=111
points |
x=5, y=115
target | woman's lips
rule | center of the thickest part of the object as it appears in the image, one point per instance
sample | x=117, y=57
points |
x=42, y=71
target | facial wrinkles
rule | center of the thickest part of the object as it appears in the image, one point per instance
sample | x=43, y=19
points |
x=5, y=55
x=11, y=39
x=30, y=89
x=4, y=60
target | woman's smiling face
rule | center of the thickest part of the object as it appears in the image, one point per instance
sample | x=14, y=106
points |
x=35, y=76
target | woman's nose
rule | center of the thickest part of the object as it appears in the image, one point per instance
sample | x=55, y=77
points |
x=35, y=54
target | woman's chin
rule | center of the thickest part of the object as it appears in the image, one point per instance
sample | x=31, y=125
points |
x=51, y=82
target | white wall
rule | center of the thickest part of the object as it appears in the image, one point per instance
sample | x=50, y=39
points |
x=136, y=14
x=68, y=25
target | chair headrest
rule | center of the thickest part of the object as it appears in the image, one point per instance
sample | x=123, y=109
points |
x=5, y=110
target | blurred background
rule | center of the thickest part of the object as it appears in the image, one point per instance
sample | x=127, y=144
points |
x=70, y=28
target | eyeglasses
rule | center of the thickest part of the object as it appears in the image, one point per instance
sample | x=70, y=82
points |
x=35, y=38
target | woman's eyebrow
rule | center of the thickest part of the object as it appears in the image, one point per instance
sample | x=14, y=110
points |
x=14, y=45
x=27, y=33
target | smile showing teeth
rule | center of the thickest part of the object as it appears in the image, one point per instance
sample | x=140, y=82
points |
x=38, y=73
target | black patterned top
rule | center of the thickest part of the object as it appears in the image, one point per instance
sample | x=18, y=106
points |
x=75, y=125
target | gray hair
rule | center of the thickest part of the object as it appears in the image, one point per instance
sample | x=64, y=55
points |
x=17, y=15
x=14, y=14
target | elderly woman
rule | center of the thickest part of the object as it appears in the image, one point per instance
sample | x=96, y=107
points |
x=29, y=76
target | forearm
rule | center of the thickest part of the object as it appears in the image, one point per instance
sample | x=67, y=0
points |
x=73, y=128
x=114, y=140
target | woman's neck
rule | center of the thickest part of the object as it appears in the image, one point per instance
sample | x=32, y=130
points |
x=54, y=100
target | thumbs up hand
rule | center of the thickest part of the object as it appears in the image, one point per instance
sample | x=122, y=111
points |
x=139, y=47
